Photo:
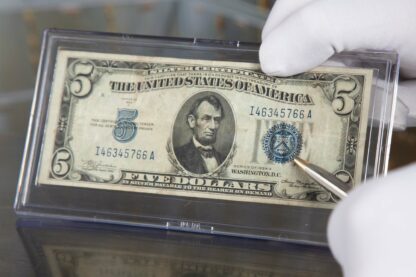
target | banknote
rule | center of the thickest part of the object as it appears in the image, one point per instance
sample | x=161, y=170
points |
x=202, y=128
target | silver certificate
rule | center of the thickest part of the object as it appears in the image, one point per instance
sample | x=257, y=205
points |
x=202, y=129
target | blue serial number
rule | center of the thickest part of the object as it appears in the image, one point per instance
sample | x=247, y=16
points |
x=124, y=153
x=280, y=112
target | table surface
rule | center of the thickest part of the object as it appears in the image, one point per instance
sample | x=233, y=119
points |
x=151, y=252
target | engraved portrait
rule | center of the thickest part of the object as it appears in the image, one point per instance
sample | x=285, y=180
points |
x=203, y=132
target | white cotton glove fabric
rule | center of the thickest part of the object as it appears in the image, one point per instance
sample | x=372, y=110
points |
x=302, y=34
x=372, y=232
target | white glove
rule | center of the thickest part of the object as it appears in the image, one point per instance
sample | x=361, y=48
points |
x=302, y=34
x=372, y=233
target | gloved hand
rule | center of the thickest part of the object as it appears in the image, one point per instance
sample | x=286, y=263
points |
x=302, y=34
x=372, y=233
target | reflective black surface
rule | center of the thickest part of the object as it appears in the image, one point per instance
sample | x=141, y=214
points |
x=79, y=249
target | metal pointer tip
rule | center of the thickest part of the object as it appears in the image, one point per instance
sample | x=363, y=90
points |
x=324, y=178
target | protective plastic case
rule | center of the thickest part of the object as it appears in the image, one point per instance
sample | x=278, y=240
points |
x=216, y=216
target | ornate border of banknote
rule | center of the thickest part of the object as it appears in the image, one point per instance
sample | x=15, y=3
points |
x=146, y=130
x=118, y=160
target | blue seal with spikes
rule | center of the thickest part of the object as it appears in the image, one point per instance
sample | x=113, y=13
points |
x=282, y=143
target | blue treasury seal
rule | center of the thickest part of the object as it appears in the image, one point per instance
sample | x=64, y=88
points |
x=282, y=143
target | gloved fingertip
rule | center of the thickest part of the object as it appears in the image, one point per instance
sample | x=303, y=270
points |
x=264, y=33
x=291, y=50
x=274, y=70
x=271, y=63
x=266, y=30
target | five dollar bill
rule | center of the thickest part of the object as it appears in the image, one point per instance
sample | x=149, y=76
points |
x=202, y=129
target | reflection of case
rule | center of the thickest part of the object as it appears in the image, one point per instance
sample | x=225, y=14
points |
x=91, y=250
x=193, y=214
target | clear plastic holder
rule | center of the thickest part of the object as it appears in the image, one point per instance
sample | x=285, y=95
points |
x=215, y=216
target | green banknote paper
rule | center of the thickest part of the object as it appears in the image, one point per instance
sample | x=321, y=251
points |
x=201, y=128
